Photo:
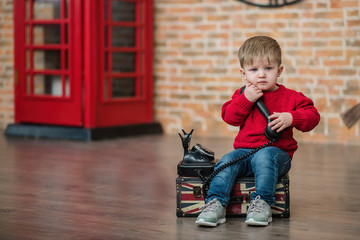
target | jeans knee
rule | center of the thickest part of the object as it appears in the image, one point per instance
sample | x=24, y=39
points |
x=285, y=167
x=271, y=159
x=263, y=160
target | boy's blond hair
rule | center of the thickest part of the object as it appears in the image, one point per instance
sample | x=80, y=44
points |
x=259, y=47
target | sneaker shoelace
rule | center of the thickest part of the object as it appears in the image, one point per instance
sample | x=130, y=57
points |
x=256, y=205
x=210, y=206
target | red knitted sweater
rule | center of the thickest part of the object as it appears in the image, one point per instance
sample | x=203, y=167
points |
x=241, y=112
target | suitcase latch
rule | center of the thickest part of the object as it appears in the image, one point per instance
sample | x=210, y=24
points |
x=197, y=192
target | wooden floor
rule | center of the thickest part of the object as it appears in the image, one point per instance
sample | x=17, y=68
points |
x=125, y=189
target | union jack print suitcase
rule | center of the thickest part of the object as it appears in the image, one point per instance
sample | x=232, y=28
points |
x=190, y=198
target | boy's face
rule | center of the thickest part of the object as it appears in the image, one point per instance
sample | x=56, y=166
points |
x=262, y=73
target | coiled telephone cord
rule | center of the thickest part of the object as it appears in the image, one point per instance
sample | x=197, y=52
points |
x=207, y=180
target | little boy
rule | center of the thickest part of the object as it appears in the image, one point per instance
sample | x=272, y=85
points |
x=260, y=61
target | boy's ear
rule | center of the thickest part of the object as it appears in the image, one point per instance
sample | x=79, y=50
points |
x=281, y=68
x=242, y=72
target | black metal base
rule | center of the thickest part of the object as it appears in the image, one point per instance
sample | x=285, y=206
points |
x=189, y=170
x=82, y=134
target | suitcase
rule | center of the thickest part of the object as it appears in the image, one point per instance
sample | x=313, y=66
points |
x=190, y=199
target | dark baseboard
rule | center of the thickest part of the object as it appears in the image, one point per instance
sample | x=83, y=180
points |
x=81, y=134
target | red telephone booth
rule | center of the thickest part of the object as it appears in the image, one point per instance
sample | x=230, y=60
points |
x=83, y=68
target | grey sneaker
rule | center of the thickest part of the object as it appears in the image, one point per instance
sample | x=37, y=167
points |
x=213, y=213
x=259, y=213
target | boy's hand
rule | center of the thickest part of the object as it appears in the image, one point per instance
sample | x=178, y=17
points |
x=280, y=121
x=252, y=92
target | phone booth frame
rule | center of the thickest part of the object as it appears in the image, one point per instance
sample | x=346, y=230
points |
x=98, y=110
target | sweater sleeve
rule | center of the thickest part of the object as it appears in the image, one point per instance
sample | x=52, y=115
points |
x=235, y=111
x=305, y=116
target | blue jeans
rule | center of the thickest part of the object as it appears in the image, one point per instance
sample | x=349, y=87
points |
x=266, y=166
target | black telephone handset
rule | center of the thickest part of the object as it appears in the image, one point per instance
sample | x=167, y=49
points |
x=269, y=133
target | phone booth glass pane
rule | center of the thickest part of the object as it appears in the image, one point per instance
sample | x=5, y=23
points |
x=122, y=11
x=46, y=9
x=47, y=59
x=47, y=85
x=123, y=87
x=123, y=36
x=46, y=34
x=27, y=34
x=123, y=62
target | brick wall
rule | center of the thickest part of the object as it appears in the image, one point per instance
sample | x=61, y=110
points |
x=196, y=68
x=6, y=63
